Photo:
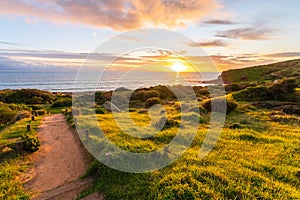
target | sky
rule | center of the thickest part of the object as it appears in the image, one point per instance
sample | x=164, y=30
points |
x=61, y=34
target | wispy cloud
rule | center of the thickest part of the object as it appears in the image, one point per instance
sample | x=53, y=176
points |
x=118, y=15
x=248, y=33
x=10, y=43
x=209, y=43
x=218, y=22
x=283, y=55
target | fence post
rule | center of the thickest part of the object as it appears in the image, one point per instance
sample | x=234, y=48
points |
x=28, y=128
x=20, y=146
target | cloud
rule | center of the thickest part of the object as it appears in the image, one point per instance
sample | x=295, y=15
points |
x=248, y=33
x=10, y=43
x=211, y=43
x=118, y=15
x=218, y=22
x=283, y=55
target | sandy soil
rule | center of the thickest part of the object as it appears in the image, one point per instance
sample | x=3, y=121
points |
x=60, y=161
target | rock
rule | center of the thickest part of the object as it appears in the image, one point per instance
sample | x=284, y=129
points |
x=111, y=107
x=6, y=149
x=22, y=115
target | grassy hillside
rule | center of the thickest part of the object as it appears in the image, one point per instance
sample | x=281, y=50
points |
x=256, y=157
x=263, y=73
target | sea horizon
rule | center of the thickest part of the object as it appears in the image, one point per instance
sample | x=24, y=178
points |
x=61, y=81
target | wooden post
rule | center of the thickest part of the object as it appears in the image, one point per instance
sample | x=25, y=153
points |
x=28, y=128
x=20, y=146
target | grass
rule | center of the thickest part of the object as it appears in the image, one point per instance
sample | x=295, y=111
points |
x=260, y=160
x=263, y=73
x=13, y=163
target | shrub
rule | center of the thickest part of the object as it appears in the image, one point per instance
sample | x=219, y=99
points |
x=102, y=97
x=31, y=142
x=219, y=104
x=36, y=107
x=260, y=93
x=201, y=91
x=152, y=101
x=39, y=112
x=26, y=96
x=143, y=94
x=99, y=111
x=62, y=103
x=6, y=114
x=236, y=126
x=165, y=92
x=281, y=89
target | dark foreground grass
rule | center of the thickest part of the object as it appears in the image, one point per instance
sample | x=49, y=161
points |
x=257, y=160
x=13, y=163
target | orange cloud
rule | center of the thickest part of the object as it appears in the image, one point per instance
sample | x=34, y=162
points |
x=118, y=15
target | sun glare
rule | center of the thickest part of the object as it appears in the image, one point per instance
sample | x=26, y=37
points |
x=178, y=67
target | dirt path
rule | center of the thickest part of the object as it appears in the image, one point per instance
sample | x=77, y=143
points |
x=59, y=162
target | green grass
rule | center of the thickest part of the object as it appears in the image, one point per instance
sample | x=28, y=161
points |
x=264, y=73
x=12, y=163
x=260, y=160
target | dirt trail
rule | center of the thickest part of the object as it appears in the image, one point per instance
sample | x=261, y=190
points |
x=59, y=163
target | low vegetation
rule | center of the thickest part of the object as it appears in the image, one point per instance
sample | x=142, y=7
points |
x=283, y=90
x=264, y=73
x=14, y=162
x=26, y=96
x=256, y=157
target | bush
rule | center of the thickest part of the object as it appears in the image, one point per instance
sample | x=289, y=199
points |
x=31, y=142
x=6, y=114
x=102, y=97
x=201, y=91
x=99, y=111
x=152, y=101
x=143, y=94
x=62, y=103
x=219, y=104
x=39, y=112
x=281, y=89
x=260, y=93
x=26, y=96
x=36, y=107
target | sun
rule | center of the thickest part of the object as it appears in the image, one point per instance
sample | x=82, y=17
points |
x=178, y=67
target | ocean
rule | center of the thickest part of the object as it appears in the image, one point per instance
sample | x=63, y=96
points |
x=67, y=82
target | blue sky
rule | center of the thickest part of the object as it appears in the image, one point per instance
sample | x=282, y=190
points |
x=235, y=33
